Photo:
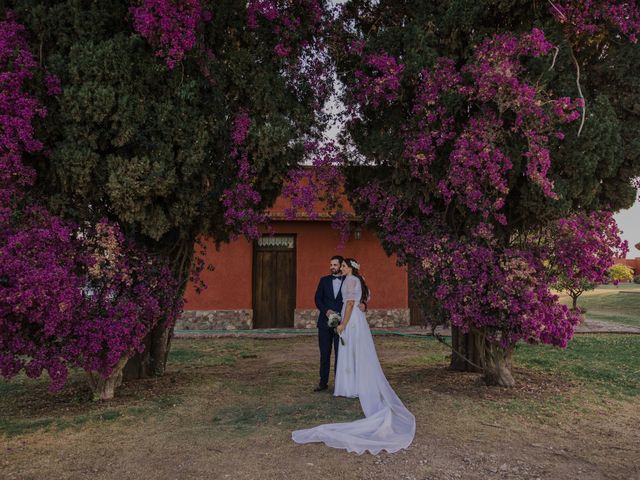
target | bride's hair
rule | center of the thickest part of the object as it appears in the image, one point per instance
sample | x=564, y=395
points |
x=356, y=272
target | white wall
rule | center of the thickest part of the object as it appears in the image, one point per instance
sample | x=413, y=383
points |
x=629, y=223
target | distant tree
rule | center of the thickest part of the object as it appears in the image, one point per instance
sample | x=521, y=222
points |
x=620, y=273
x=574, y=288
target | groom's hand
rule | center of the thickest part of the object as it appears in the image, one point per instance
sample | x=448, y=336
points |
x=329, y=312
x=363, y=307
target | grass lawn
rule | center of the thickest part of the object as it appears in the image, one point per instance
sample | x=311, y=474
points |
x=226, y=409
x=609, y=303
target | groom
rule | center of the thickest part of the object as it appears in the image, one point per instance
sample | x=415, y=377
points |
x=328, y=300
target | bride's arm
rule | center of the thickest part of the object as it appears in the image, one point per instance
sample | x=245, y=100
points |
x=347, y=315
x=350, y=300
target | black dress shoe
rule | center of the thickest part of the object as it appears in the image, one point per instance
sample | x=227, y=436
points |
x=319, y=388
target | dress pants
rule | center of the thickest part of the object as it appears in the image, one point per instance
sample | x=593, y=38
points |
x=326, y=338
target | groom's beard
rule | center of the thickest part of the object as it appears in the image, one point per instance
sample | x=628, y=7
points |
x=335, y=272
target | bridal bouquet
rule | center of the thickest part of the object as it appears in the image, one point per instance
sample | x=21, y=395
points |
x=334, y=321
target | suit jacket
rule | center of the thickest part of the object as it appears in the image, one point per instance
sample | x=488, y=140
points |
x=326, y=301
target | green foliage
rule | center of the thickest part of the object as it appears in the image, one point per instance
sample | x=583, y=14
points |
x=590, y=172
x=572, y=287
x=149, y=147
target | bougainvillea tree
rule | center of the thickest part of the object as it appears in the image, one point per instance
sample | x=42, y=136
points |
x=487, y=158
x=175, y=120
x=69, y=296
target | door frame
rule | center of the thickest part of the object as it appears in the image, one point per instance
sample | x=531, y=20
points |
x=294, y=279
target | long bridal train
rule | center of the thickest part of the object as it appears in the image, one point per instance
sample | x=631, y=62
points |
x=387, y=425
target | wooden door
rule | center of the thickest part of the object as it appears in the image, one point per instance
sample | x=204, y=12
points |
x=274, y=282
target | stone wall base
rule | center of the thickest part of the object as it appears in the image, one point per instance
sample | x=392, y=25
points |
x=303, y=318
x=377, y=318
x=215, y=320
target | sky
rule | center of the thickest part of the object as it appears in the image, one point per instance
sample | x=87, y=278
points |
x=629, y=223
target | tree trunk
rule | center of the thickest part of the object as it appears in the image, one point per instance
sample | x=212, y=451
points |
x=153, y=360
x=490, y=359
x=575, y=301
x=466, y=347
x=497, y=366
x=105, y=388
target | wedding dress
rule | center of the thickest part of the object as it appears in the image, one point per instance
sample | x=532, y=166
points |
x=387, y=425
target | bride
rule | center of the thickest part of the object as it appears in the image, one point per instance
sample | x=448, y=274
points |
x=387, y=425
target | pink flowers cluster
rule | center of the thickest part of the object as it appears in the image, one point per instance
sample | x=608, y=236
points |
x=381, y=85
x=18, y=109
x=503, y=291
x=478, y=165
x=591, y=17
x=241, y=201
x=76, y=300
x=285, y=20
x=478, y=169
x=497, y=74
x=434, y=126
x=299, y=31
x=322, y=181
x=583, y=247
x=170, y=26
x=319, y=187
x=39, y=295
x=126, y=293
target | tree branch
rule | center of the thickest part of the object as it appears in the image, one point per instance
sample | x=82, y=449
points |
x=560, y=12
x=555, y=55
x=584, y=103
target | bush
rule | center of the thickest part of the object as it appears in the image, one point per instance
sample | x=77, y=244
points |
x=636, y=279
x=620, y=273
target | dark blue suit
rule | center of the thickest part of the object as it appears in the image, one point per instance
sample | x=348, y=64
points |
x=327, y=336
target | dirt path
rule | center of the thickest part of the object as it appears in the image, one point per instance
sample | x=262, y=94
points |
x=226, y=409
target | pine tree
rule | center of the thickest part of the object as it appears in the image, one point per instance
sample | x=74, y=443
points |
x=172, y=135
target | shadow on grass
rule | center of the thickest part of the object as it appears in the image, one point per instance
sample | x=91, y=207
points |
x=245, y=418
x=20, y=426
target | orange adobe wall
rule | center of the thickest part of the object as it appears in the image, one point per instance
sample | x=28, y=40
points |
x=317, y=242
x=227, y=303
x=229, y=285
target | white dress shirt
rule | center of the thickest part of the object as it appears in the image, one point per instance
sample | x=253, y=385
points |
x=336, y=286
